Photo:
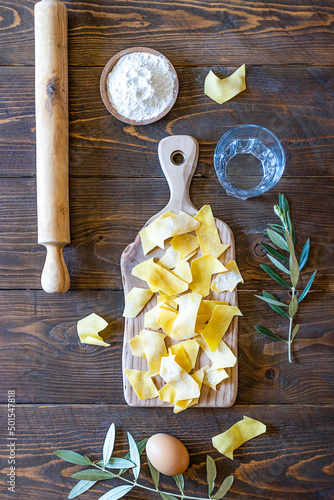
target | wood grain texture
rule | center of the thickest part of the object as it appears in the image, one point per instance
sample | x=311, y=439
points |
x=203, y=32
x=106, y=215
x=292, y=460
x=42, y=358
x=295, y=102
x=178, y=178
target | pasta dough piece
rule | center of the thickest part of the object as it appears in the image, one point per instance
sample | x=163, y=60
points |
x=145, y=241
x=166, y=320
x=213, y=376
x=207, y=233
x=170, y=259
x=228, y=280
x=165, y=299
x=223, y=89
x=151, y=318
x=239, y=433
x=184, y=324
x=136, y=346
x=179, y=406
x=181, y=357
x=184, y=385
x=159, y=277
x=185, y=244
x=95, y=341
x=183, y=271
x=218, y=324
x=142, y=384
x=88, y=329
x=202, y=269
x=135, y=301
x=223, y=357
x=155, y=349
x=160, y=230
x=191, y=348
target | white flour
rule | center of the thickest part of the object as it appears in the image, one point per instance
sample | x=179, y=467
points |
x=140, y=85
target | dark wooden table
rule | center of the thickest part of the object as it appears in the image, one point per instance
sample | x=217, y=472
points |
x=68, y=394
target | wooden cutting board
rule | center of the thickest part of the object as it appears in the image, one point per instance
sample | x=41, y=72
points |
x=171, y=151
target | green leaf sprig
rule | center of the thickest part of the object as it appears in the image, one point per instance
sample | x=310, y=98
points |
x=98, y=471
x=283, y=236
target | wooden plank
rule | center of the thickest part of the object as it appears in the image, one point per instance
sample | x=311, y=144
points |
x=294, y=102
x=42, y=359
x=292, y=460
x=203, y=32
x=106, y=214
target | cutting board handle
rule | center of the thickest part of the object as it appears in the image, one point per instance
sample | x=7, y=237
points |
x=178, y=155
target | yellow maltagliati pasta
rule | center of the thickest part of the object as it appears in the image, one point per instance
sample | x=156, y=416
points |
x=181, y=311
x=202, y=269
x=173, y=225
x=185, y=244
x=184, y=385
x=207, y=233
x=228, y=280
x=142, y=384
x=135, y=301
x=155, y=348
x=159, y=277
x=218, y=324
x=88, y=330
x=239, y=433
x=184, y=324
x=223, y=89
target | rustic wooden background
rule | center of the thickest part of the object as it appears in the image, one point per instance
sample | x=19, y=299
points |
x=68, y=393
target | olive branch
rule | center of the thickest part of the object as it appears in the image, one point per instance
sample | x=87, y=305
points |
x=100, y=471
x=283, y=236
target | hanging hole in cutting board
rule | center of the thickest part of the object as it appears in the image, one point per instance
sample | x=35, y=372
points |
x=177, y=158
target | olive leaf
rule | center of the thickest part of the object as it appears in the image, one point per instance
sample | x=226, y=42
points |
x=108, y=445
x=167, y=496
x=277, y=227
x=211, y=473
x=117, y=463
x=72, y=457
x=154, y=473
x=307, y=288
x=278, y=264
x=277, y=239
x=274, y=274
x=141, y=447
x=293, y=307
x=268, y=333
x=280, y=310
x=273, y=252
x=304, y=254
x=80, y=487
x=134, y=455
x=224, y=488
x=116, y=493
x=93, y=475
x=283, y=203
x=294, y=332
x=179, y=479
x=271, y=301
x=292, y=230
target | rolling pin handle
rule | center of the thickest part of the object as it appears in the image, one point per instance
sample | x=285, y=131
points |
x=55, y=277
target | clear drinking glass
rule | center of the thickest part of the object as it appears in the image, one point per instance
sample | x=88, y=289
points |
x=248, y=160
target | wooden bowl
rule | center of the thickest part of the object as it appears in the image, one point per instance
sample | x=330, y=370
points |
x=103, y=86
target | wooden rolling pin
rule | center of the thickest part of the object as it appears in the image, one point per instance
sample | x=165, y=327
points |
x=51, y=93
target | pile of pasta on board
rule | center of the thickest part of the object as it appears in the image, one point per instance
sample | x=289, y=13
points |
x=184, y=320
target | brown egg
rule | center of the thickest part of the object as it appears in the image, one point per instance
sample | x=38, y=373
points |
x=167, y=454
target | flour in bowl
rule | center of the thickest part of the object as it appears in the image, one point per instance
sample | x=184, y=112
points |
x=140, y=85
